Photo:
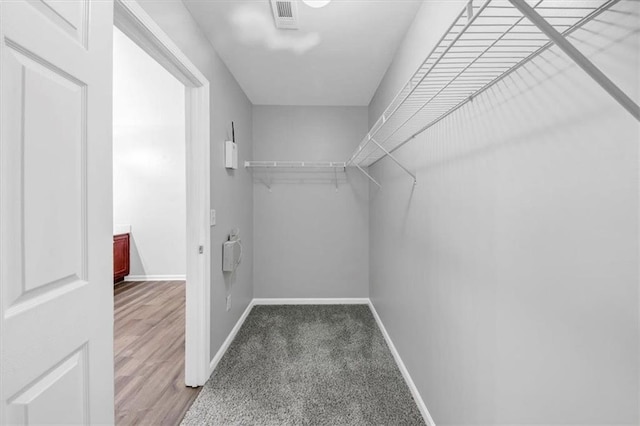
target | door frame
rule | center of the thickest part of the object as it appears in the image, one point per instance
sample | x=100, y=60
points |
x=132, y=20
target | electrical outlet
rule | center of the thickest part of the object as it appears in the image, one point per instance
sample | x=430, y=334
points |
x=228, y=302
x=212, y=218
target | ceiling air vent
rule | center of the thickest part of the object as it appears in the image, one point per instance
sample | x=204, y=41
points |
x=285, y=13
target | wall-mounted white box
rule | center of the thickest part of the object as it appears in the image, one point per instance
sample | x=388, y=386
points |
x=231, y=255
x=230, y=155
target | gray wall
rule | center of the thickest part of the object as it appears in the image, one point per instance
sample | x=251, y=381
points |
x=231, y=191
x=508, y=277
x=310, y=241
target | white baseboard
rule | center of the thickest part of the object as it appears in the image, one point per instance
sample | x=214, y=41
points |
x=155, y=278
x=232, y=335
x=310, y=301
x=403, y=369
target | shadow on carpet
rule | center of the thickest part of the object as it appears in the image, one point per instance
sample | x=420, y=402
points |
x=306, y=365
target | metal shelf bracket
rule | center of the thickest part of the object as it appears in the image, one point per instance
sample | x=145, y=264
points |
x=577, y=56
x=268, y=185
x=395, y=160
x=368, y=176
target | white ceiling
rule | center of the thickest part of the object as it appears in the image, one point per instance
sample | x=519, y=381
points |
x=337, y=57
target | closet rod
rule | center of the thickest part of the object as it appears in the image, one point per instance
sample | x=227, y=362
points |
x=577, y=56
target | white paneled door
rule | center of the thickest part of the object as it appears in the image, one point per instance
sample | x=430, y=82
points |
x=56, y=296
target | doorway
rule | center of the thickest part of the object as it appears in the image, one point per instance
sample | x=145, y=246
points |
x=135, y=23
x=149, y=166
x=149, y=216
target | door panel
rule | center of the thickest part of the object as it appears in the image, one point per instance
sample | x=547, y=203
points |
x=56, y=293
x=69, y=16
x=60, y=394
x=50, y=162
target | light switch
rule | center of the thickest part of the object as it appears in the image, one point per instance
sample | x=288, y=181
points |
x=212, y=218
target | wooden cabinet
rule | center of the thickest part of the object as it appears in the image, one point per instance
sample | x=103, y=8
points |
x=120, y=257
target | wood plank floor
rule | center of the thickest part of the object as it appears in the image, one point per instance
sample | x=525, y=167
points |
x=149, y=353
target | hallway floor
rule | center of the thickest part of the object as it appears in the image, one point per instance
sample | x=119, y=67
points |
x=149, y=353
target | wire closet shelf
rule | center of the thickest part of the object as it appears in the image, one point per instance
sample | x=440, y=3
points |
x=488, y=40
x=295, y=164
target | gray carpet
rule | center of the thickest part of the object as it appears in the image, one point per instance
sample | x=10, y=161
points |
x=306, y=365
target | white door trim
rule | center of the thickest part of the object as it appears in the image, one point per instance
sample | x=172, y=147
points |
x=132, y=20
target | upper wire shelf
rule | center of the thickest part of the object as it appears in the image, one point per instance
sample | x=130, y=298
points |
x=487, y=40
